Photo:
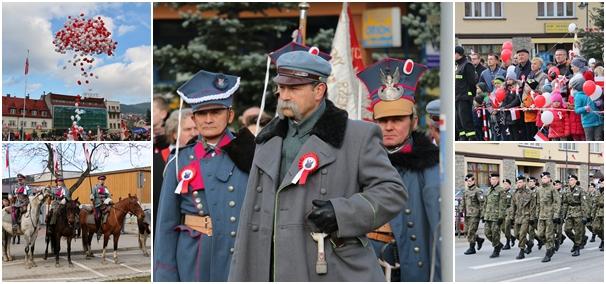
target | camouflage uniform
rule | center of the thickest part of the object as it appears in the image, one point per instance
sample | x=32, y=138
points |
x=494, y=215
x=557, y=228
x=574, y=203
x=523, y=208
x=597, y=215
x=532, y=226
x=507, y=225
x=548, y=210
x=471, y=206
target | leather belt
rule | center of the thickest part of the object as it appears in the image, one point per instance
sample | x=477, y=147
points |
x=382, y=234
x=202, y=224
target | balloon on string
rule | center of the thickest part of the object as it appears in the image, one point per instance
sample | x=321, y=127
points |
x=572, y=27
x=547, y=117
x=507, y=45
x=596, y=94
x=589, y=87
x=500, y=94
x=547, y=97
x=539, y=101
x=505, y=55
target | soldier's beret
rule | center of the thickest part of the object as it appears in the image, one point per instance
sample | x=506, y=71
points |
x=521, y=178
x=545, y=174
x=573, y=176
x=532, y=178
x=468, y=176
x=507, y=181
x=101, y=178
x=494, y=174
x=20, y=176
x=557, y=181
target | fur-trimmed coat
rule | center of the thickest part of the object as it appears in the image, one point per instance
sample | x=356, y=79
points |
x=416, y=227
x=354, y=174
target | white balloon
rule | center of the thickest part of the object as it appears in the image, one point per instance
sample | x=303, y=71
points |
x=598, y=90
x=572, y=27
x=547, y=97
x=547, y=117
x=72, y=117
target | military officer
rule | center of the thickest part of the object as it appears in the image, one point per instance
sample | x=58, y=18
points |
x=60, y=196
x=548, y=213
x=472, y=205
x=494, y=214
x=532, y=225
x=203, y=188
x=21, y=193
x=575, y=213
x=597, y=215
x=101, y=197
x=506, y=226
x=410, y=238
x=523, y=211
x=319, y=183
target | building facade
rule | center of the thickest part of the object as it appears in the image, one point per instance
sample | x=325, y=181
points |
x=113, y=116
x=540, y=27
x=62, y=108
x=529, y=159
x=37, y=115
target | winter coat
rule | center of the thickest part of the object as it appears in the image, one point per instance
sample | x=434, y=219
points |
x=588, y=119
x=274, y=235
x=559, y=127
x=574, y=120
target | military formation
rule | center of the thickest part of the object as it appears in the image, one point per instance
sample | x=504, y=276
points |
x=548, y=213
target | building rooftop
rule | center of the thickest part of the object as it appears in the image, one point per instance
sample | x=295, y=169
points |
x=9, y=102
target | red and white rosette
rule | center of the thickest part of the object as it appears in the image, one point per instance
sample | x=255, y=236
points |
x=308, y=163
x=186, y=175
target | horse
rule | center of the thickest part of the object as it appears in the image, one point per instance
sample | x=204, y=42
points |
x=113, y=225
x=28, y=228
x=144, y=232
x=64, y=227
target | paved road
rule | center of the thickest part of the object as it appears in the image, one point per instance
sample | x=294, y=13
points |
x=131, y=264
x=589, y=266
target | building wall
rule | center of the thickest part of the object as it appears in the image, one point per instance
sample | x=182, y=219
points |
x=113, y=116
x=28, y=123
x=120, y=184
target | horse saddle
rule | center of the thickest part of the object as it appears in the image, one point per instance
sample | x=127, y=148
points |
x=90, y=216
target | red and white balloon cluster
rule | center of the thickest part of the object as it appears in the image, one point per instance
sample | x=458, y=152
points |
x=85, y=37
x=76, y=130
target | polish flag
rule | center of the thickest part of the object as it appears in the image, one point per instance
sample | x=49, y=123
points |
x=540, y=137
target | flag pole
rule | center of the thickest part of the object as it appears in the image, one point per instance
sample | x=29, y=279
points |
x=24, y=96
x=303, y=7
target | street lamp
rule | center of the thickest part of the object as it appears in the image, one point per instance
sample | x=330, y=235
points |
x=585, y=5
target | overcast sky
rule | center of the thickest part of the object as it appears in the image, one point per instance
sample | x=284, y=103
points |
x=125, y=77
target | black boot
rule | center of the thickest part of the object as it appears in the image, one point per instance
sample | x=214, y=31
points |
x=557, y=245
x=576, y=251
x=513, y=241
x=592, y=238
x=584, y=242
x=479, y=241
x=506, y=247
x=471, y=249
x=529, y=246
x=548, y=255
x=496, y=251
x=540, y=243
x=521, y=254
x=602, y=246
x=562, y=238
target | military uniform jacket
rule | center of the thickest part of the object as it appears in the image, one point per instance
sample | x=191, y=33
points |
x=495, y=205
x=472, y=203
x=575, y=202
x=180, y=252
x=354, y=174
x=508, y=196
x=100, y=193
x=598, y=208
x=60, y=192
x=548, y=202
x=523, y=206
x=21, y=192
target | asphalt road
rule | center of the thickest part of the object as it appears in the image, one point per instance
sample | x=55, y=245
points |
x=132, y=262
x=589, y=266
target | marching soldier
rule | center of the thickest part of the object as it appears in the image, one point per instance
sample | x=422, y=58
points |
x=472, y=205
x=60, y=196
x=548, y=213
x=559, y=238
x=100, y=196
x=204, y=187
x=506, y=226
x=575, y=213
x=21, y=193
x=409, y=239
x=523, y=211
x=494, y=214
x=532, y=225
x=597, y=215
x=591, y=194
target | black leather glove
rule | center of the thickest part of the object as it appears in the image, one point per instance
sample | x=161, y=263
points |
x=557, y=221
x=584, y=221
x=532, y=222
x=323, y=216
x=500, y=221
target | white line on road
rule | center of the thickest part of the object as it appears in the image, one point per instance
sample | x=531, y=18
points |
x=503, y=263
x=87, y=268
x=133, y=269
x=49, y=279
x=537, y=274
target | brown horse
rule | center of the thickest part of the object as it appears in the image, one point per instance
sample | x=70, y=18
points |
x=112, y=226
x=64, y=227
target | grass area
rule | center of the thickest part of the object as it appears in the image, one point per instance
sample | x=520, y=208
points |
x=135, y=279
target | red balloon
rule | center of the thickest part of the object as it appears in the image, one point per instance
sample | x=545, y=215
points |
x=589, y=87
x=500, y=94
x=539, y=101
x=507, y=45
x=506, y=54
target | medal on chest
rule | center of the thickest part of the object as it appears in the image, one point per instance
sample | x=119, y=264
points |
x=308, y=163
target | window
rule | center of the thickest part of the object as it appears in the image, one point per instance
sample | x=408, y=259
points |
x=44, y=124
x=555, y=10
x=33, y=124
x=43, y=113
x=22, y=123
x=568, y=147
x=595, y=148
x=34, y=112
x=531, y=145
x=483, y=10
x=21, y=111
x=482, y=172
x=13, y=111
x=12, y=123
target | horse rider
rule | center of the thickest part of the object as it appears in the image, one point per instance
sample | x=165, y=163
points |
x=60, y=196
x=21, y=192
x=100, y=196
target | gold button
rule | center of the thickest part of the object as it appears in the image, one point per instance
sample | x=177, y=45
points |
x=410, y=224
x=417, y=249
x=231, y=250
x=231, y=203
x=413, y=237
x=407, y=211
x=198, y=200
x=195, y=193
x=233, y=234
x=230, y=188
x=420, y=264
x=232, y=219
x=199, y=206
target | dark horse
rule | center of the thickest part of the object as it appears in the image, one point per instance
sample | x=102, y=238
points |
x=113, y=225
x=64, y=227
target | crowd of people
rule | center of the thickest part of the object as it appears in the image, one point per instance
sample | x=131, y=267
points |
x=93, y=136
x=538, y=210
x=525, y=99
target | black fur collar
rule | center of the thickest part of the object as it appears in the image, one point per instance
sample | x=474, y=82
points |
x=330, y=127
x=424, y=154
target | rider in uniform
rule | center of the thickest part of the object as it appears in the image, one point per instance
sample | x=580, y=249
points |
x=100, y=196
x=60, y=195
x=21, y=193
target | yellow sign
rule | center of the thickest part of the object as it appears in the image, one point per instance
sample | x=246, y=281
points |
x=382, y=28
x=532, y=153
x=556, y=27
